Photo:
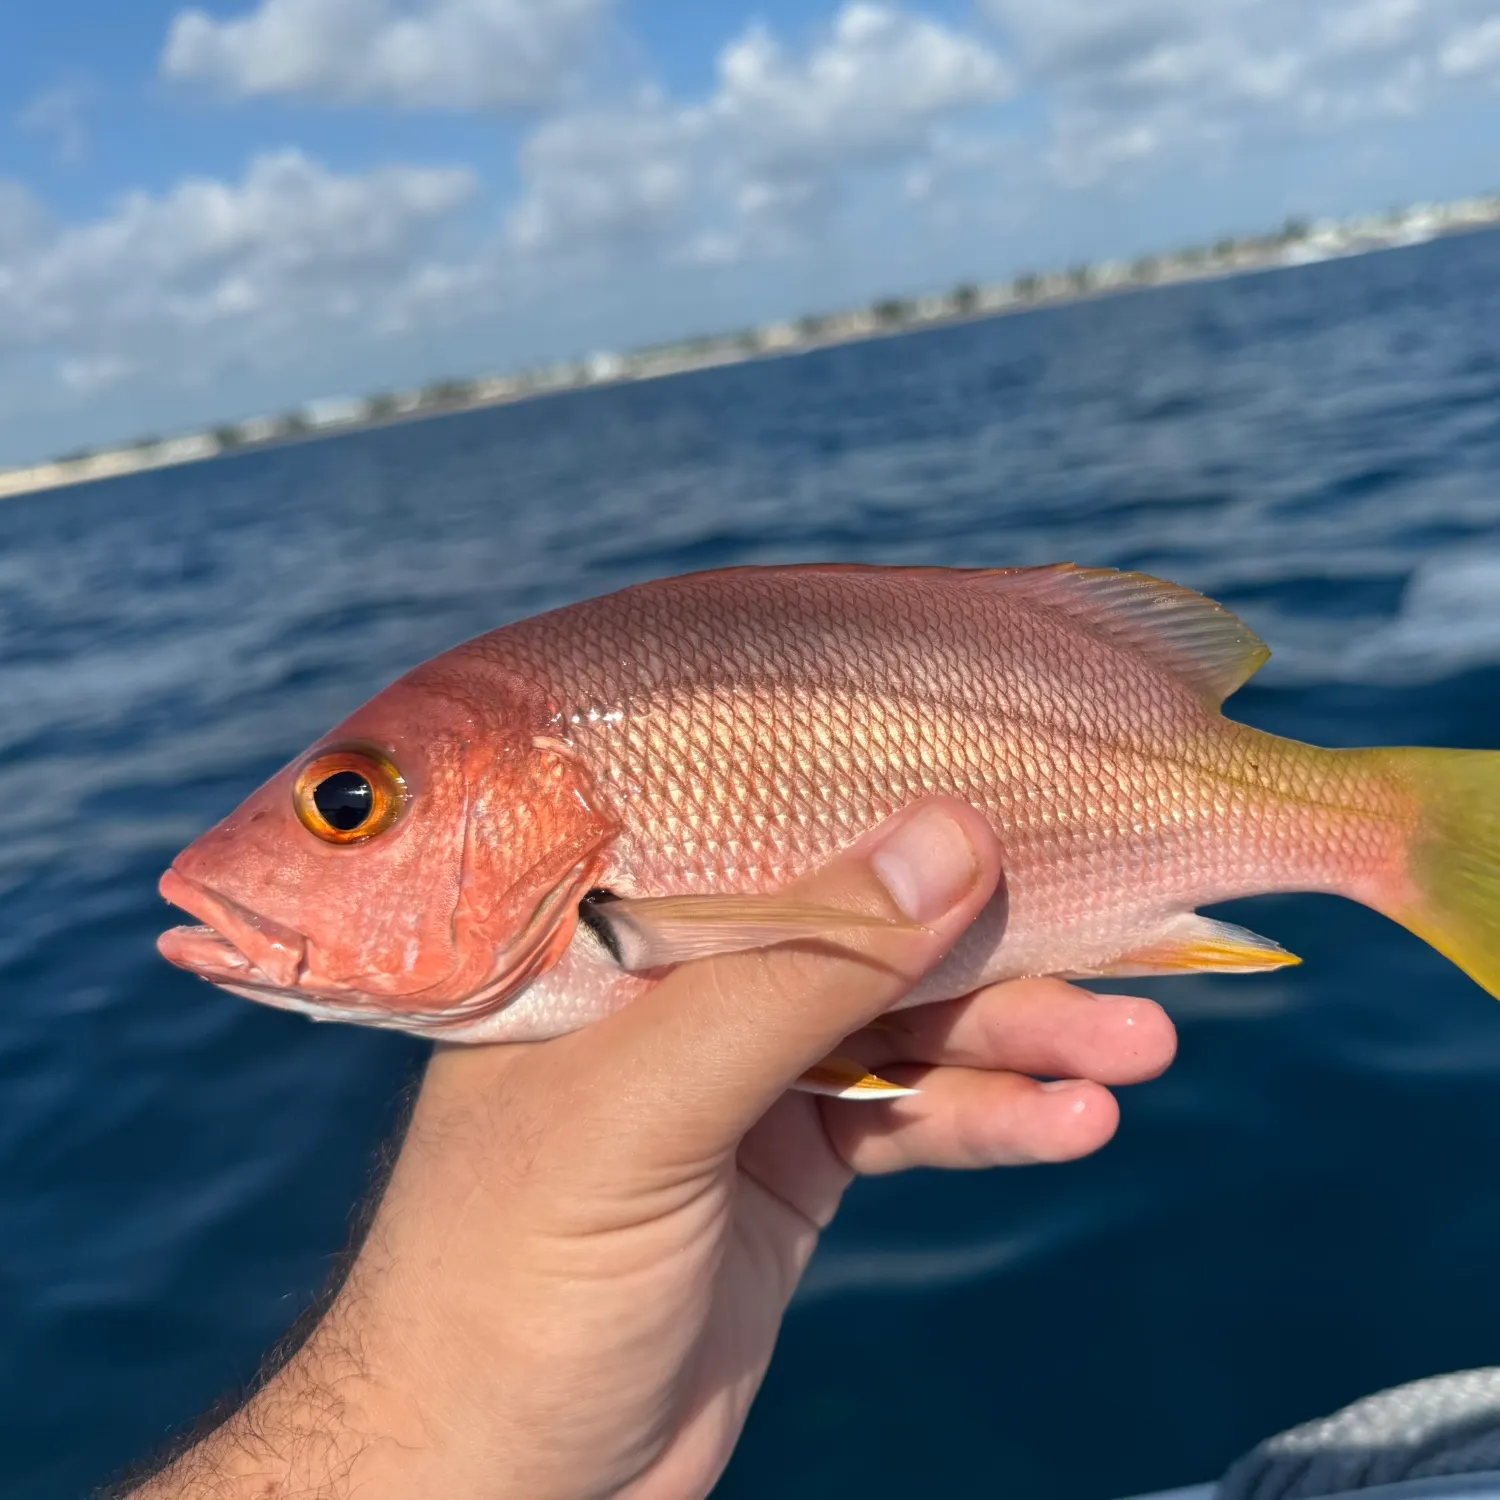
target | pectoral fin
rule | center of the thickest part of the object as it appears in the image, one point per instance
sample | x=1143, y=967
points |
x=653, y=932
x=1192, y=944
x=840, y=1078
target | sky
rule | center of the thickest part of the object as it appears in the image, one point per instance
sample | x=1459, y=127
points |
x=217, y=210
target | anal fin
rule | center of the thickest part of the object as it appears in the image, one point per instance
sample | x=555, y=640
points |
x=839, y=1078
x=1191, y=944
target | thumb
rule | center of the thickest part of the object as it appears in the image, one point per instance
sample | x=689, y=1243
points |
x=700, y=1057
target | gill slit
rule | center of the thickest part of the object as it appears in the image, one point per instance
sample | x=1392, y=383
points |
x=464, y=855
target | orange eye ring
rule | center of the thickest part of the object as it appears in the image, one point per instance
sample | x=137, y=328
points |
x=347, y=796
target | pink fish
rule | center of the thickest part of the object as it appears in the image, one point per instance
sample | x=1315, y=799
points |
x=519, y=835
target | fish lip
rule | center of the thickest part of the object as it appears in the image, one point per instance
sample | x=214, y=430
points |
x=233, y=944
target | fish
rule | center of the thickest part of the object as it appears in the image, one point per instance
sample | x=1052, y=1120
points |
x=524, y=833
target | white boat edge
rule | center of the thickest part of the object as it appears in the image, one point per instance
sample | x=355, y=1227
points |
x=1447, y=1487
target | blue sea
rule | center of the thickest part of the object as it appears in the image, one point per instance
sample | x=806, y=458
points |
x=1303, y=1210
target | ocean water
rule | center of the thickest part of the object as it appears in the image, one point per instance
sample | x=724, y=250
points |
x=1305, y=1209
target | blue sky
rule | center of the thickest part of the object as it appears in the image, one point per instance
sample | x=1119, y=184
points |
x=216, y=210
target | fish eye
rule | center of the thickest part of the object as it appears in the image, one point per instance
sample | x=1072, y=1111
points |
x=347, y=796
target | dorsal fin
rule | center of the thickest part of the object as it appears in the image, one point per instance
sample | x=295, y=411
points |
x=1199, y=641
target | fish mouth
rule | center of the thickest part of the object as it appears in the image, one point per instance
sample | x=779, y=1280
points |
x=233, y=945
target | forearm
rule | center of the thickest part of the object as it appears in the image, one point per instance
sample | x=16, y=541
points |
x=412, y=1381
x=323, y=1428
x=316, y=1418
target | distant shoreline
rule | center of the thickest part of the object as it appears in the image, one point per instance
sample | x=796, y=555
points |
x=1297, y=243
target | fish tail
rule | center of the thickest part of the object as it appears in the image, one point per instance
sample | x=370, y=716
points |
x=1449, y=894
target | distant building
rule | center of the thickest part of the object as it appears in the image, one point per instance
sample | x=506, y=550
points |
x=604, y=367
x=336, y=411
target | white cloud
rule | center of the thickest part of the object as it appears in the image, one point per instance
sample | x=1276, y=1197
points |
x=59, y=113
x=1138, y=79
x=1475, y=50
x=870, y=90
x=176, y=287
x=1374, y=25
x=598, y=176
x=767, y=149
x=24, y=223
x=89, y=374
x=412, y=54
x=961, y=167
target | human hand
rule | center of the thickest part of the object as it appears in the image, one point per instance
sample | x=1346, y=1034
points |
x=574, y=1282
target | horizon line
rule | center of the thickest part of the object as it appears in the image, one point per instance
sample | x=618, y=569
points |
x=1298, y=242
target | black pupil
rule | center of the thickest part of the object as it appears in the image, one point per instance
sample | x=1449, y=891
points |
x=345, y=800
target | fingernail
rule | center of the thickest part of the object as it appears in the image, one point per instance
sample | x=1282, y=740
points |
x=927, y=864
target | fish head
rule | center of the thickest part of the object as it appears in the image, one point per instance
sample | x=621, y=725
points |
x=416, y=868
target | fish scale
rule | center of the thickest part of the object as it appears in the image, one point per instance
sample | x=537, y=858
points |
x=734, y=728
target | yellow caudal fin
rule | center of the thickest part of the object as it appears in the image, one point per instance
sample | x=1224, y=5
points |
x=1452, y=895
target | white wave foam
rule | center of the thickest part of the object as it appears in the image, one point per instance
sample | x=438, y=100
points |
x=882, y=1270
x=1450, y=614
x=867, y=1269
x=1447, y=622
